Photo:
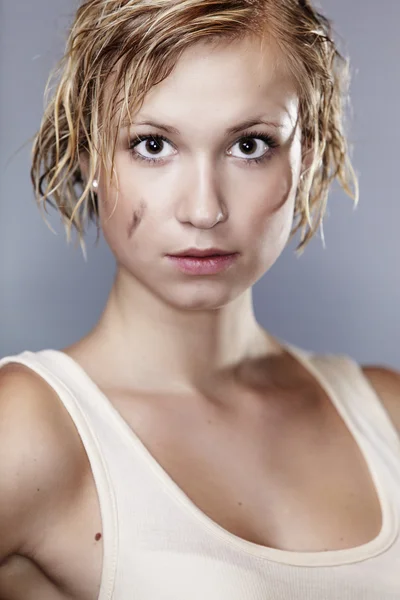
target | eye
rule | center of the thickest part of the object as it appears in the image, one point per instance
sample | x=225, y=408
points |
x=150, y=147
x=254, y=146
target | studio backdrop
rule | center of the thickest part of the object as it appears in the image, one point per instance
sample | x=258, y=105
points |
x=344, y=298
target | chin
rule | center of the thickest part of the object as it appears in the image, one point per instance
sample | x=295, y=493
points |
x=200, y=297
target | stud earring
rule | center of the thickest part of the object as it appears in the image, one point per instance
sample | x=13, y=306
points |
x=95, y=183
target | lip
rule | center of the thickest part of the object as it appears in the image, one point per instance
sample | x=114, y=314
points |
x=203, y=265
x=196, y=252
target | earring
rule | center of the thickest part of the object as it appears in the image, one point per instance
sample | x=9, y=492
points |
x=95, y=183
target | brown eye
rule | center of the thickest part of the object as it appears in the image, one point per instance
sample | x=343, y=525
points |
x=151, y=147
x=248, y=145
x=251, y=147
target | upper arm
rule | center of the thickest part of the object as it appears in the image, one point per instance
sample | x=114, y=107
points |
x=386, y=383
x=38, y=461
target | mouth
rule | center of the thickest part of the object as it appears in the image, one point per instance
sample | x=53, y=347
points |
x=203, y=262
x=206, y=253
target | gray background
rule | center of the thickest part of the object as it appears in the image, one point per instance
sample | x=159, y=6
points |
x=342, y=299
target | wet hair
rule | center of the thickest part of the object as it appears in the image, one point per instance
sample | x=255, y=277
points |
x=138, y=43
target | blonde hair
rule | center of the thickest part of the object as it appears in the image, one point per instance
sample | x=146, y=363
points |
x=139, y=43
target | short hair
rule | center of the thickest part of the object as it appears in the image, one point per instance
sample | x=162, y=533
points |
x=139, y=42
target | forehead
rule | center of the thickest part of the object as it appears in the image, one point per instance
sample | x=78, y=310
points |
x=215, y=84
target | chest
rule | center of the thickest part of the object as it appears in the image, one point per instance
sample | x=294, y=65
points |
x=299, y=484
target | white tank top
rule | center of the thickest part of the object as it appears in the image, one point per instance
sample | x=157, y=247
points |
x=158, y=545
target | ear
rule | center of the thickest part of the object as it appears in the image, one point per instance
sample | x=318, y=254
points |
x=84, y=165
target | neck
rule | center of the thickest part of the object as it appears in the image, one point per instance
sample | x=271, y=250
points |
x=149, y=344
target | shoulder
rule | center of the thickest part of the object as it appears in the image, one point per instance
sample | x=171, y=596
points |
x=386, y=383
x=30, y=406
x=41, y=460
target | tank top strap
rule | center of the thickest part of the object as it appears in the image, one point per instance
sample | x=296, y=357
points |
x=77, y=401
x=355, y=398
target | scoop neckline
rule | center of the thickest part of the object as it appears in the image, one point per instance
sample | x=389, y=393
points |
x=390, y=522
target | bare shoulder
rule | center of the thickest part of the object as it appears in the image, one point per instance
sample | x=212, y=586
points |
x=386, y=383
x=40, y=457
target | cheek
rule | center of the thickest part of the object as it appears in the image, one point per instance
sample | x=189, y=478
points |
x=268, y=214
x=121, y=217
x=273, y=196
x=136, y=219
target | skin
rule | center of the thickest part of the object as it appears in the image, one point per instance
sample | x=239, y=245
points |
x=202, y=193
x=238, y=390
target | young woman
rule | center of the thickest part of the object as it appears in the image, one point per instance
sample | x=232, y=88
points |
x=179, y=451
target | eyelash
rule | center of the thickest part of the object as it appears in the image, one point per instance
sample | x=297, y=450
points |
x=268, y=139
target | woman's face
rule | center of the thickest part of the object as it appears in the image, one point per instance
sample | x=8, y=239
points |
x=211, y=181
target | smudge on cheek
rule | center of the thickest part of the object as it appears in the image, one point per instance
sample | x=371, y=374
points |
x=137, y=218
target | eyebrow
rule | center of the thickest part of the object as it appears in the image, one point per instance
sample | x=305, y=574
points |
x=235, y=129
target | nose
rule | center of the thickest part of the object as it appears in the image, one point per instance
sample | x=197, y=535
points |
x=201, y=203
